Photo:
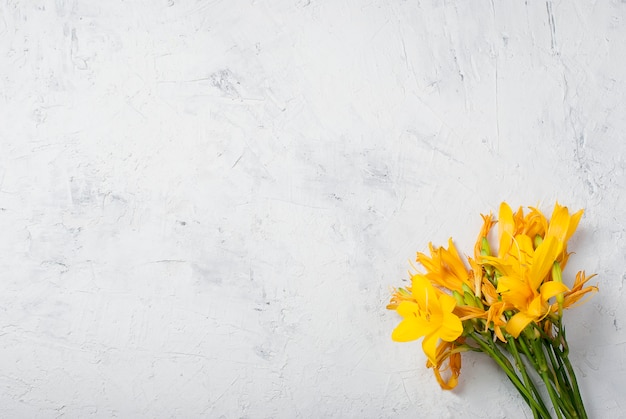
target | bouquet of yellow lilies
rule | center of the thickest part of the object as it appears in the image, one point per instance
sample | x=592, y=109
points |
x=506, y=302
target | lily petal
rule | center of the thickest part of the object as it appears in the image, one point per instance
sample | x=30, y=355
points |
x=429, y=345
x=451, y=327
x=409, y=329
x=544, y=257
x=506, y=228
x=517, y=323
x=551, y=289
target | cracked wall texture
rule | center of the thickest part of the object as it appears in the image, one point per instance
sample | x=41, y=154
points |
x=205, y=204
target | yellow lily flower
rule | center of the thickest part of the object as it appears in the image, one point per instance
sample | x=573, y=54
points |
x=494, y=295
x=525, y=287
x=573, y=296
x=506, y=229
x=526, y=282
x=534, y=224
x=495, y=317
x=562, y=224
x=429, y=316
x=488, y=222
x=476, y=272
x=445, y=268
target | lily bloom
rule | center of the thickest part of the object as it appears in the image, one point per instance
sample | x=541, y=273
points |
x=445, y=268
x=430, y=315
x=572, y=297
x=526, y=262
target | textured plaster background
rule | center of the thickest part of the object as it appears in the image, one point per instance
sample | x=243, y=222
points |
x=204, y=204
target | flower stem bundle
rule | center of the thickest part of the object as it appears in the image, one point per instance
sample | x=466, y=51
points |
x=506, y=301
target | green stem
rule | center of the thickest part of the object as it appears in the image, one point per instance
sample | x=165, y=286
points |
x=560, y=349
x=557, y=364
x=522, y=368
x=561, y=380
x=528, y=351
x=576, y=392
x=489, y=347
x=560, y=401
x=564, y=355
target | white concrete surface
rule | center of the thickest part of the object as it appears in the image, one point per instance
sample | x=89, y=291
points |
x=204, y=204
